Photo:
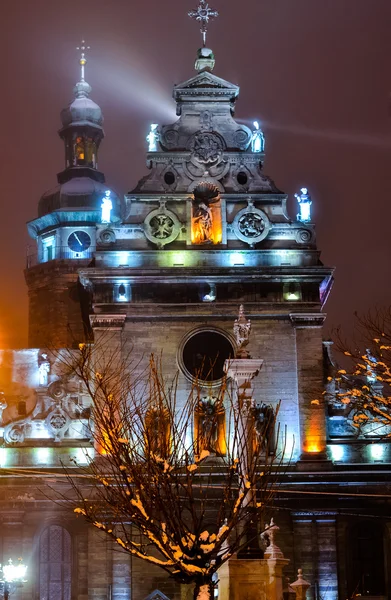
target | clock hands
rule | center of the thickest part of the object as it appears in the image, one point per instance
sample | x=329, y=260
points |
x=77, y=238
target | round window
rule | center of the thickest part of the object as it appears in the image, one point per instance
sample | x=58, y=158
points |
x=169, y=178
x=242, y=178
x=205, y=353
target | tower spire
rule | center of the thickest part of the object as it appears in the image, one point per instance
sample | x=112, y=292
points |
x=203, y=14
x=82, y=59
x=82, y=89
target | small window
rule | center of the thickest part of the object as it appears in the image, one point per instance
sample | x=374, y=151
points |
x=22, y=411
x=169, y=178
x=48, y=246
x=242, y=178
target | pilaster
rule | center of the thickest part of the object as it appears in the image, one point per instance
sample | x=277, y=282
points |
x=311, y=401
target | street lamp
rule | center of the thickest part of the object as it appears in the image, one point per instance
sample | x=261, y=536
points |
x=12, y=576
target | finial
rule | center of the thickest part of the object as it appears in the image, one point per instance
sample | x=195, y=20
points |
x=82, y=60
x=203, y=14
x=82, y=88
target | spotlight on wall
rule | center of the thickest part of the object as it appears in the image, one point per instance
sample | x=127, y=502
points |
x=337, y=452
x=377, y=451
x=237, y=259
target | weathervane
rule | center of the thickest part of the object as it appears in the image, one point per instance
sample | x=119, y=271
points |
x=83, y=59
x=203, y=14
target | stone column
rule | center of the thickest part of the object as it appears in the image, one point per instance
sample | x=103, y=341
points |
x=242, y=371
x=99, y=565
x=122, y=575
x=107, y=351
x=311, y=401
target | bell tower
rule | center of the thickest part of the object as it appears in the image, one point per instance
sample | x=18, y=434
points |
x=65, y=230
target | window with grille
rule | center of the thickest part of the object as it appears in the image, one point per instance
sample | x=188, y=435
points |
x=55, y=564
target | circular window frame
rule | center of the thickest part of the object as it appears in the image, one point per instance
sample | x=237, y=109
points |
x=193, y=332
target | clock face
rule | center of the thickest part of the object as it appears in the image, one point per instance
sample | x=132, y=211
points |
x=79, y=241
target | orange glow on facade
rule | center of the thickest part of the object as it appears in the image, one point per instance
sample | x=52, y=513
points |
x=206, y=223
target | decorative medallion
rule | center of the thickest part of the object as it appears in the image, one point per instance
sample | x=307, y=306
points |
x=57, y=422
x=251, y=225
x=169, y=138
x=56, y=390
x=206, y=147
x=161, y=226
x=107, y=236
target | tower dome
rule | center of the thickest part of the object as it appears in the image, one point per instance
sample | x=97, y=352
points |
x=81, y=186
x=82, y=110
x=81, y=194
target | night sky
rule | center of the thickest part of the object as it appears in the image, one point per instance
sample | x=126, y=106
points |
x=316, y=73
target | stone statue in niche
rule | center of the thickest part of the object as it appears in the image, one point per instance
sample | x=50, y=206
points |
x=263, y=425
x=206, y=225
x=202, y=223
x=157, y=431
x=209, y=425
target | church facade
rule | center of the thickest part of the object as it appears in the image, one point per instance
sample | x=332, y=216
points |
x=165, y=270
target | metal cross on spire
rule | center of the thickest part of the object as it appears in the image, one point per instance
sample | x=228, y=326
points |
x=203, y=13
x=83, y=59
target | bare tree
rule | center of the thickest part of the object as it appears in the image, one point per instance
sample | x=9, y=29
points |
x=183, y=502
x=365, y=384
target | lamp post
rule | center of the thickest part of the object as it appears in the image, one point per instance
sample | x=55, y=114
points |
x=12, y=576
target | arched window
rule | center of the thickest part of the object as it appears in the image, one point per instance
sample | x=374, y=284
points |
x=366, y=559
x=79, y=152
x=55, y=564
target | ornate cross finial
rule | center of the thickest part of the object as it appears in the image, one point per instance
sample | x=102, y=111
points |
x=82, y=60
x=203, y=14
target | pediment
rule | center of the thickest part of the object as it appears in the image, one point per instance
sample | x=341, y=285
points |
x=207, y=80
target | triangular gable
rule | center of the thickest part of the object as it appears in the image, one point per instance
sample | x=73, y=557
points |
x=156, y=595
x=207, y=80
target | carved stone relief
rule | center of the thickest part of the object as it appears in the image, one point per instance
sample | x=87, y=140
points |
x=161, y=226
x=251, y=225
x=206, y=147
x=304, y=236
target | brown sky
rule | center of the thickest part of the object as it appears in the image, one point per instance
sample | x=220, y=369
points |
x=316, y=73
